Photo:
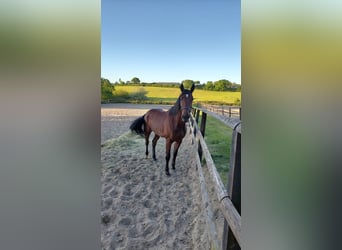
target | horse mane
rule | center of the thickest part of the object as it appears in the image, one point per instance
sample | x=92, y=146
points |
x=175, y=108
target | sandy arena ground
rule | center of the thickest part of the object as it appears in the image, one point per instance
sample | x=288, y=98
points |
x=142, y=208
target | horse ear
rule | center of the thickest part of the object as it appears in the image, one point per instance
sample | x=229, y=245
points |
x=182, y=87
x=192, y=88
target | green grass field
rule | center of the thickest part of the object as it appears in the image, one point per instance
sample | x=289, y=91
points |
x=218, y=137
x=169, y=95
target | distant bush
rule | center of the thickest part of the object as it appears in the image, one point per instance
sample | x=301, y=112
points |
x=122, y=93
x=139, y=95
x=107, y=90
x=237, y=102
x=120, y=96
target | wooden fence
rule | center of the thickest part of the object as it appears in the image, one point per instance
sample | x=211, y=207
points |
x=225, y=110
x=230, y=201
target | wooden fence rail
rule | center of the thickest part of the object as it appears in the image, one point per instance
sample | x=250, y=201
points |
x=225, y=110
x=230, y=201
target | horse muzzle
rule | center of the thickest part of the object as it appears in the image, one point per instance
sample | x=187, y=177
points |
x=185, y=114
x=185, y=118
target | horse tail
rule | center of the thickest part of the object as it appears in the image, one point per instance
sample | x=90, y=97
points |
x=138, y=125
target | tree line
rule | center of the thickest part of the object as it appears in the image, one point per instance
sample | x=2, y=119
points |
x=110, y=94
x=220, y=85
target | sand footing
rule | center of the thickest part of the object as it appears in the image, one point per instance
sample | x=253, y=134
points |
x=142, y=208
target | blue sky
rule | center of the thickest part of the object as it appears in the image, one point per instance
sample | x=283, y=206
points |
x=170, y=41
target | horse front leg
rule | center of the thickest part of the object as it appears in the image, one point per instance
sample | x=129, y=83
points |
x=175, y=151
x=167, y=155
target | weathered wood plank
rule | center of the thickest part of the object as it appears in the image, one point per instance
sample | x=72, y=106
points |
x=234, y=189
x=229, y=211
x=209, y=212
x=233, y=218
x=213, y=236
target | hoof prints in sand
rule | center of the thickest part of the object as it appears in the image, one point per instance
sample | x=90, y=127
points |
x=142, y=208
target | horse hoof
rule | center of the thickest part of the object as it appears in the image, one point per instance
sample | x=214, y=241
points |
x=167, y=173
x=154, y=158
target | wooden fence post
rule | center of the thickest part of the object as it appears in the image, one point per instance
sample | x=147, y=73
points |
x=234, y=189
x=197, y=115
x=202, y=129
x=203, y=122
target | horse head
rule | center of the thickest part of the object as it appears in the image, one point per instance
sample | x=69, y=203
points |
x=185, y=100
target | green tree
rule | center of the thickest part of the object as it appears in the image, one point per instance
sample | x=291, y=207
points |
x=121, y=82
x=107, y=90
x=135, y=80
x=187, y=83
x=209, y=85
x=236, y=87
x=222, y=85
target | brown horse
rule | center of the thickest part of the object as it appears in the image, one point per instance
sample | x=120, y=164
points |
x=168, y=124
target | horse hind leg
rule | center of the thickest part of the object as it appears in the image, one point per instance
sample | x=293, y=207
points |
x=147, y=136
x=154, y=143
